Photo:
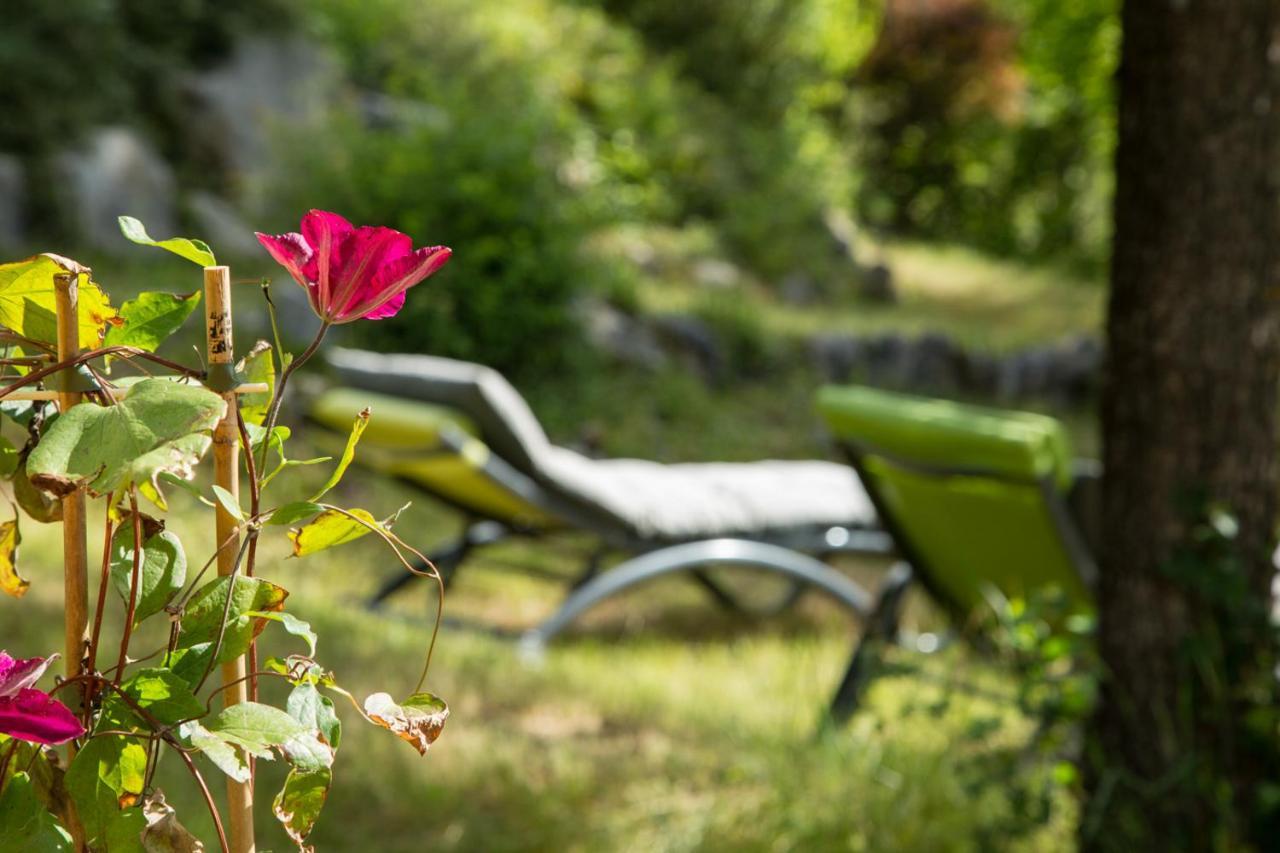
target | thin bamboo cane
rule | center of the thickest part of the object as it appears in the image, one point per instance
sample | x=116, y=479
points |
x=226, y=462
x=75, y=567
x=74, y=547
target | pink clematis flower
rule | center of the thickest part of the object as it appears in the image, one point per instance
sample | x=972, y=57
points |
x=352, y=273
x=30, y=714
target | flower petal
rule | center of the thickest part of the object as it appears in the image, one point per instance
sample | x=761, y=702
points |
x=34, y=715
x=289, y=251
x=375, y=303
x=325, y=232
x=17, y=674
x=363, y=254
x=390, y=308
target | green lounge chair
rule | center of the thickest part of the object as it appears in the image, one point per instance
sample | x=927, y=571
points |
x=972, y=497
x=463, y=434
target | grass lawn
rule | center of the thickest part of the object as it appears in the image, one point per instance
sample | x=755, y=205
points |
x=659, y=724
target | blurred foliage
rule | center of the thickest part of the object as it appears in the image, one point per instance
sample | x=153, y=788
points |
x=991, y=123
x=74, y=64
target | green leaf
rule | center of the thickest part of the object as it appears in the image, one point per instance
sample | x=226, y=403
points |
x=10, y=581
x=256, y=728
x=203, y=614
x=8, y=457
x=124, y=831
x=162, y=572
x=329, y=529
x=257, y=366
x=299, y=802
x=307, y=751
x=25, y=825
x=313, y=709
x=190, y=662
x=106, y=776
x=348, y=454
x=293, y=625
x=151, y=318
x=164, y=695
x=293, y=512
x=161, y=426
x=28, y=306
x=417, y=720
x=34, y=502
x=196, y=251
x=215, y=748
x=228, y=502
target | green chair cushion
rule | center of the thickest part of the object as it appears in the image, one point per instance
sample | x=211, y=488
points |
x=966, y=487
x=1020, y=445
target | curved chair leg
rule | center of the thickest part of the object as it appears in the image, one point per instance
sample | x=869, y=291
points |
x=447, y=560
x=693, y=555
x=881, y=628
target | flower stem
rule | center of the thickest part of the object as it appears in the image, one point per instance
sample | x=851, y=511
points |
x=273, y=412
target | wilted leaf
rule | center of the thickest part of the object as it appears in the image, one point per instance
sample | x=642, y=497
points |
x=203, y=614
x=418, y=720
x=10, y=581
x=196, y=251
x=163, y=833
x=28, y=306
x=106, y=775
x=299, y=802
x=151, y=318
x=161, y=426
x=256, y=367
x=24, y=823
x=163, y=570
x=328, y=529
x=348, y=454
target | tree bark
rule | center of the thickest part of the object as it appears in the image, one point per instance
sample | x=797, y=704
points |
x=1189, y=424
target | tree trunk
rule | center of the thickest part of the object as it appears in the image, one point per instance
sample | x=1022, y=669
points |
x=1189, y=428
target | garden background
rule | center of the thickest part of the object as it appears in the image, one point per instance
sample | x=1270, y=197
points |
x=672, y=222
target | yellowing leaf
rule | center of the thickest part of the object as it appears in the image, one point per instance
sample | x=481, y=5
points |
x=300, y=800
x=28, y=305
x=10, y=581
x=418, y=720
x=348, y=453
x=330, y=528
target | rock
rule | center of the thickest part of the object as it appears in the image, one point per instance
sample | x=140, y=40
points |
x=799, y=288
x=836, y=356
x=217, y=223
x=935, y=364
x=887, y=360
x=268, y=81
x=12, y=200
x=716, y=274
x=619, y=334
x=692, y=338
x=117, y=172
x=875, y=284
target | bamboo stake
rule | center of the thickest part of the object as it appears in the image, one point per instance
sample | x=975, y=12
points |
x=74, y=547
x=226, y=462
x=75, y=566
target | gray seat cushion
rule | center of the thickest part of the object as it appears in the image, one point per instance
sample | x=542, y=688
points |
x=504, y=419
x=649, y=500
x=706, y=499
